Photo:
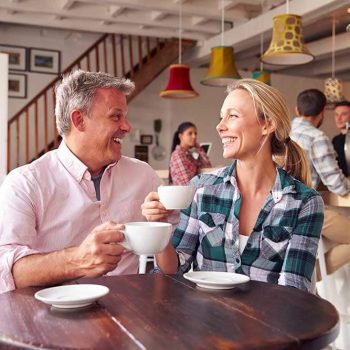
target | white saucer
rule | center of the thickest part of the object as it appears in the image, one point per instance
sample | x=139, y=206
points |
x=71, y=296
x=216, y=280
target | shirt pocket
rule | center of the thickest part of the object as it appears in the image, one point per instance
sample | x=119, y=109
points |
x=212, y=229
x=274, y=242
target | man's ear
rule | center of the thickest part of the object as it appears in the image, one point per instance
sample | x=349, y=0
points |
x=297, y=111
x=78, y=120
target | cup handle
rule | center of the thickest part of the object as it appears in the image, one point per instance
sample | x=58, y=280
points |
x=124, y=243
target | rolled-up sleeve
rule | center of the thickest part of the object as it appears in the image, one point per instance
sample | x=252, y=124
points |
x=17, y=226
x=301, y=253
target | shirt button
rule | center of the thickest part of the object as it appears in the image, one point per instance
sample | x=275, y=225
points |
x=249, y=245
x=238, y=261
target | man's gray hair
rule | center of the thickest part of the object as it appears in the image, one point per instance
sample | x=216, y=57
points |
x=77, y=90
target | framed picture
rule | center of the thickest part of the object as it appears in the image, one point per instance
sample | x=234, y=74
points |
x=17, y=56
x=45, y=61
x=17, y=85
x=141, y=152
x=146, y=139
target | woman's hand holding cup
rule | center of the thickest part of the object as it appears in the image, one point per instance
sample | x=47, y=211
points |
x=153, y=209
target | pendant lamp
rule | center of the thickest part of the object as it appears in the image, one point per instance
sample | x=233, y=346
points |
x=179, y=85
x=287, y=44
x=262, y=75
x=333, y=88
x=222, y=70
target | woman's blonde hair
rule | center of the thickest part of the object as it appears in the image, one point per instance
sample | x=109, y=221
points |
x=271, y=108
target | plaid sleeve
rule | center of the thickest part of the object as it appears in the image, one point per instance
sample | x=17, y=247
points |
x=324, y=160
x=186, y=236
x=181, y=169
x=299, y=262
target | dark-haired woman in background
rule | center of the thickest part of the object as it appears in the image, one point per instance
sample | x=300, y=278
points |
x=187, y=156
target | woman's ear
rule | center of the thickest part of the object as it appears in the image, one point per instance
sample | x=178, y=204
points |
x=78, y=121
x=268, y=127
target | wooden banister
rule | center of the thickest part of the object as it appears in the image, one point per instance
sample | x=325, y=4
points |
x=68, y=69
x=31, y=132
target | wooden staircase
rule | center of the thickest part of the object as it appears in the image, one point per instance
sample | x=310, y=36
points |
x=32, y=131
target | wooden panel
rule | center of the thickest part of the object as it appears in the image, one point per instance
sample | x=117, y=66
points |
x=114, y=56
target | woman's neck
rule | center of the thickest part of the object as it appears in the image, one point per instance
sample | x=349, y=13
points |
x=255, y=177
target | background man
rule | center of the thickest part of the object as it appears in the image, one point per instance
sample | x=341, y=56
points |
x=341, y=117
x=60, y=216
x=310, y=113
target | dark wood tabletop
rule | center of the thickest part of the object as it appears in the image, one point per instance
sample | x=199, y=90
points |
x=169, y=312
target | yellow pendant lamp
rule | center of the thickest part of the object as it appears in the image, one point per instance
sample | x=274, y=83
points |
x=222, y=70
x=287, y=44
x=333, y=88
x=179, y=85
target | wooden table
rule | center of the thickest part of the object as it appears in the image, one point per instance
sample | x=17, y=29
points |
x=168, y=312
x=331, y=198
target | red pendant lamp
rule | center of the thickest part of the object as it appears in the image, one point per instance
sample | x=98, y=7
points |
x=179, y=85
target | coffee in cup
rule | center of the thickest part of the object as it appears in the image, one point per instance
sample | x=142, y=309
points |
x=176, y=197
x=146, y=238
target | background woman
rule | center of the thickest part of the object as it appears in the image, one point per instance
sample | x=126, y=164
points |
x=187, y=156
x=251, y=217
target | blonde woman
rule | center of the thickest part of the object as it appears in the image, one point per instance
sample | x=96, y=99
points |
x=252, y=217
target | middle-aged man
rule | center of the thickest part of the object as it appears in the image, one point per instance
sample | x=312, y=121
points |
x=59, y=214
x=336, y=228
x=341, y=118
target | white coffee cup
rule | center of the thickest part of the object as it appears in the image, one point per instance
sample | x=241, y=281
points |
x=146, y=238
x=176, y=197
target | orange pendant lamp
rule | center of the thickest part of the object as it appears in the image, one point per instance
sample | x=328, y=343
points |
x=222, y=69
x=287, y=44
x=179, y=85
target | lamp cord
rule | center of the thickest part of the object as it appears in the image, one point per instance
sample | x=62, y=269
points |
x=333, y=47
x=222, y=22
x=261, y=40
x=261, y=51
x=180, y=31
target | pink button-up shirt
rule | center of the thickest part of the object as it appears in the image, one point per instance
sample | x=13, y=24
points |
x=51, y=204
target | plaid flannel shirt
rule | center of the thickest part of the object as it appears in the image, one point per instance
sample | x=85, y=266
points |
x=322, y=157
x=183, y=167
x=281, y=248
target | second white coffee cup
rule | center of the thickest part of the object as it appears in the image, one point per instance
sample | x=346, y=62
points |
x=176, y=197
x=146, y=238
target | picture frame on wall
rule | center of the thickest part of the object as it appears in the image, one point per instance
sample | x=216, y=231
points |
x=146, y=139
x=17, y=85
x=17, y=56
x=44, y=61
x=141, y=152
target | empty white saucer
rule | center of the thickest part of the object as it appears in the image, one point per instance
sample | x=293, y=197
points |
x=71, y=296
x=216, y=280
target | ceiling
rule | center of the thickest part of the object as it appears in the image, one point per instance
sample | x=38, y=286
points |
x=247, y=24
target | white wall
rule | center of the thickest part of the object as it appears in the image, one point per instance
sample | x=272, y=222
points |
x=70, y=44
x=3, y=114
x=204, y=111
